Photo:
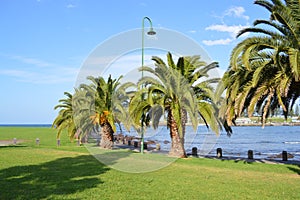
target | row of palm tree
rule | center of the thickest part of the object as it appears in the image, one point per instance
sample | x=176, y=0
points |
x=264, y=71
x=264, y=74
x=178, y=91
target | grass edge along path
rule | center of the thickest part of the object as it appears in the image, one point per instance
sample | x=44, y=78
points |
x=28, y=171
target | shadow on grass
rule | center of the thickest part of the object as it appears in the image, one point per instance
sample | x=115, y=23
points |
x=291, y=165
x=244, y=161
x=12, y=146
x=295, y=169
x=238, y=160
x=59, y=177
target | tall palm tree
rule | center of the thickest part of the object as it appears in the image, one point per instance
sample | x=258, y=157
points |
x=264, y=68
x=64, y=119
x=168, y=92
x=195, y=71
x=170, y=89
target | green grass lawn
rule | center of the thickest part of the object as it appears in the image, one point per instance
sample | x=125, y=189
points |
x=28, y=171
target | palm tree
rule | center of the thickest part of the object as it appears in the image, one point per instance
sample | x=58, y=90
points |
x=64, y=119
x=82, y=101
x=264, y=68
x=193, y=69
x=172, y=92
x=167, y=92
x=100, y=110
x=107, y=106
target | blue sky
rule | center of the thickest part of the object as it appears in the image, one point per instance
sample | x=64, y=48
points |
x=43, y=43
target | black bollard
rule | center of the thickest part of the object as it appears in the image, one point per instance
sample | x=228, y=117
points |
x=219, y=152
x=194, y=151
x=129, y=142
x=250, y=154
x=284, y=156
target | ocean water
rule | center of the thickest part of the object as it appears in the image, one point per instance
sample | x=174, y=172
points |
x=265, y=142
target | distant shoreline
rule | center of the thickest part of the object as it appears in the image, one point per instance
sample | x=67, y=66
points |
x=26, y=125
x=161, y=124
x=271, y=124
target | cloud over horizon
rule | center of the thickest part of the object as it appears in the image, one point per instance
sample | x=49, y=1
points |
x=217, y=42
x=231, y=30
x=37, y=71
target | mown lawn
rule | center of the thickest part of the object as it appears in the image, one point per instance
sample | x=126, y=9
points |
x=28, y=171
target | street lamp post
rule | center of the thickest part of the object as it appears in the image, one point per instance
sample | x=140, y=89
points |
x=150, y=32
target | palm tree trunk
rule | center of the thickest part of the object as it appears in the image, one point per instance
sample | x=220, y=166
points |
x=177, y=145
x=106, y=136
x=184, y=120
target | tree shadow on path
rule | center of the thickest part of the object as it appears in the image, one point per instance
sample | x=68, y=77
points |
x=62, y=176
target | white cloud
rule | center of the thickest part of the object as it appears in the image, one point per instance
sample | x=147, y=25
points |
x=217, y=42
x=192, y=31
x=32, y=61
x=71, y=6
x=15, y=73
x=64, y=75
x=232, y=30
x=143, y=4
x=34, y=70
x=236, y=11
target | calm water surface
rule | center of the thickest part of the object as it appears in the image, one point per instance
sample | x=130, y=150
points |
x=265, y=142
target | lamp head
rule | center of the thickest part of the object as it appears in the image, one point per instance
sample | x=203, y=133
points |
x=151, y=32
